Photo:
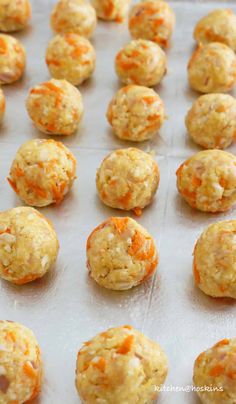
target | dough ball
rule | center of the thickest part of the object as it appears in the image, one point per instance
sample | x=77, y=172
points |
x=109, y=10
x=20, y=364
x=153, y=20
x=128, y=179
x=217, y=26
x=14, y=15
x=121, y=254
x=141, y=62
x=215, y=369
x=76, y=16
x=136, y=113
x=120, y=365
x=212, y=68
x=71, y=57
x=207, y=180
x=215, y=260
x=211, y=122
x=28, y=245
x=56, y=107
x=42, y=172
x=12, y=59
x=2, y=105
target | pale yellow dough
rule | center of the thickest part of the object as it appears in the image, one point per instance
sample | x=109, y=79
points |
x=207, y=180
x=28, y=245
x=211, y=122
x=21, y=365
x=111, y=10
x=76, y=16
x=153, y=20
x=128, y=179
x=120, y=366
x=12, y=59
x=2, y=105
x=212, y=68
x=42, y=172
x=71, y=57
x=215, y=369
x=121, y=254
x=55, y=107
x=141, y=62
x=14, y=15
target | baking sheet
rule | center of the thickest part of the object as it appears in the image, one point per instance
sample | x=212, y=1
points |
x=66, y=308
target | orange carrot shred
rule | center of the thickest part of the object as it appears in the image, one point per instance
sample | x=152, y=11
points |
x=100, y=365
x=126, y=345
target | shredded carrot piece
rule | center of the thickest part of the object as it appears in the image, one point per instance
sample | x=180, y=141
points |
x=58, y=192
x=223, y=342
x=79, y=50
x=126, y=345
x=196, y=182
x=137, y=242
x=54, y=62
x=13, y=184
x=109, y=8
x=100, y=365
x=120, y=224
x=52, y=87
x=150, y=269
x=37, y=190
x=138, y=211
x=124, y=200
x=19, y=172
x=149, y=100
x=129, y=327
x=11, y=336
x=216, y=371
x=3, y=46
x=196, y=273
x=29, y=370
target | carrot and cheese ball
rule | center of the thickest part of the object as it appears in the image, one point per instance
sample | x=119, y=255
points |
x=71, y=57
x=215, y=372
x=2, y=105
x=55, y=107
x=42, y=172
x=211, y=122
x=121, y=254
x=76, y=16
x=153, y=20
x=128, y=179
x=28, y=245
x=212, y=68
x=21, y=365
x=12, y=59
x=207, y=180
x=141, y=62
x=120, y=365
x=111, y=10
x=14, y=15
x=217, y=26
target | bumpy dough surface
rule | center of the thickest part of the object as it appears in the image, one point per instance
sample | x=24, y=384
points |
x=120, y=365
x=212, y=68
x=12, y=59
x=56, y=107
x=20, y=364
x=217, y=26
x=127, y=179
x=109, y=10
x=141, y=62
x=153, y=20
x=211, y=122
x=42, y=172
x=14, y=15
x=136, y=113
x=71, y=57
x=76, y=16
x=121, y=254
x=216, y=369
x=2, y=105
x=215, y=260
x=207, y=180
x=28, y=245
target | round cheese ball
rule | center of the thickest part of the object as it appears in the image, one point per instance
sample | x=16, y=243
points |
x=12, y=59
x=207, y=180
x=214, y=373
x=28, y=245
x=121, y=254
x=217, y=26
x=109, y=10
x=76, y=16
x=153, y=20
x=141, y=62
x=14, y=15
x=71, y=57
x=215, y=260
x=212, y=68
x=42, y=172
x=20, y=364
x=120, y=365
x=128, y=179
x=2, y=105
x=211, y=122
x=56, y=107
x=136, y=113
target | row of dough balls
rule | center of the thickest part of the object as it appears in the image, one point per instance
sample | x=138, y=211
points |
x=119, y=365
